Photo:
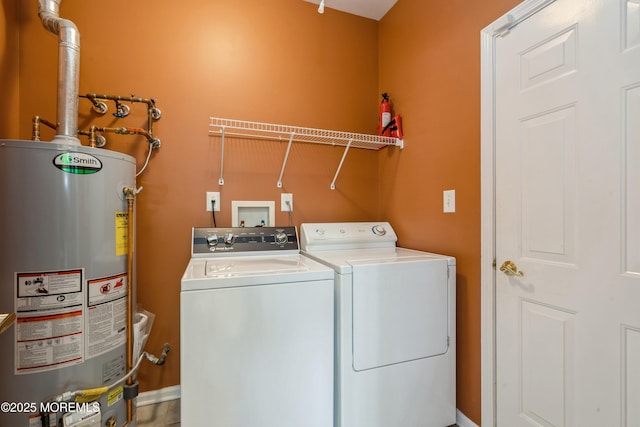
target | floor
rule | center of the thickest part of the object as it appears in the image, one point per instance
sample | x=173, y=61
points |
x=162, y=414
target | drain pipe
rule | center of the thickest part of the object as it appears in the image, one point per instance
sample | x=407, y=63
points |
x=68, y=70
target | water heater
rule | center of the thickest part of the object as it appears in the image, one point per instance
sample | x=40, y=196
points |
x=63, y=272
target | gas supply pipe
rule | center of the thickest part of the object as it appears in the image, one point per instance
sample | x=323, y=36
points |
x=131, y=388
x=153, y=141
x=37, y=120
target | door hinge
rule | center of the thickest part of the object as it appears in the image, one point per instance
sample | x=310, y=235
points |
x=448, y=341
x=505, y=27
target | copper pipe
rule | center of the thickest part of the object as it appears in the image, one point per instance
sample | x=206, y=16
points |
x=125, y=131
x=130, y=193
x=85, y=133
x=37, y=120
x=151, y=104
x=133, y=131
x=93, y=96
x=35, y=128
x=92, y=136
x=98, y=140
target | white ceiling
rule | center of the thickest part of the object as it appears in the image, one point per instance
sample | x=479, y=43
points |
x=372, y=9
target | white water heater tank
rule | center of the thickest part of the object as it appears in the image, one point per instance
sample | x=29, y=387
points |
x=63, y=272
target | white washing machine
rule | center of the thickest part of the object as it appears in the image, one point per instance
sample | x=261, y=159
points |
x=256, y=331
x=395, y=327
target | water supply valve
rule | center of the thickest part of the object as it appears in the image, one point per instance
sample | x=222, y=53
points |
x=156, y=113
x=122, y=110
x=131, y=192
x=101, y=141
x=100, y=107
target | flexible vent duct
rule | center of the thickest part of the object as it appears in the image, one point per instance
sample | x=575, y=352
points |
x=68, y=70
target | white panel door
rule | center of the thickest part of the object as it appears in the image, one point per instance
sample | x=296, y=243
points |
x=568, y=216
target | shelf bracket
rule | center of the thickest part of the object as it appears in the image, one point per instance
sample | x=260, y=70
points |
x=284, y=162
x=344, y=155
x=221, y=180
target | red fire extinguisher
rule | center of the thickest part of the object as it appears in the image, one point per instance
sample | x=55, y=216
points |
x=385, y=116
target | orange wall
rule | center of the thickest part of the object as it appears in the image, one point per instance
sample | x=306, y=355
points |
x=429, y=62
x=9, y=68
x=281, y=62
x=275, y=61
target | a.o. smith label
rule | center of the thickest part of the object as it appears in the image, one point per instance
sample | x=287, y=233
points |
x=77, y=163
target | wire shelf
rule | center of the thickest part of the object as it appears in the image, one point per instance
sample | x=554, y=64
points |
x=278, y=132
x=243, y=128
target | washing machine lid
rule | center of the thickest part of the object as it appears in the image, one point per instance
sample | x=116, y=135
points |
x=223, y=272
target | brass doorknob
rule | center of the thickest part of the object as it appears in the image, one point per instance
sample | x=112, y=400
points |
x=511, y=269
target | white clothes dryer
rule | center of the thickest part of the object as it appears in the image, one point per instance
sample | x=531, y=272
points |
x=395, y=327
x=256, y=331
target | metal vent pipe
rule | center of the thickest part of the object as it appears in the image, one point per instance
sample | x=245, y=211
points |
x=68, y=70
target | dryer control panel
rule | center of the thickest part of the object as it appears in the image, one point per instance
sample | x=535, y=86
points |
x=243, y=240
x=347, y=235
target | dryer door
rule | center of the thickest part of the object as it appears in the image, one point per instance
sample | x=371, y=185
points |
x=400, y=311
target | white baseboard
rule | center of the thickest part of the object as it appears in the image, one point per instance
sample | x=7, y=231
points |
x=173, y=393
x=463, y=421
x=157, y=396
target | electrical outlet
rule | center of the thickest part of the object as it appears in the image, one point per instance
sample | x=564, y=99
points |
x=449, y=201
x=284, y=198
x=213, y=196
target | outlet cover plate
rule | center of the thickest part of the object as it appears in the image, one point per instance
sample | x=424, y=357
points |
x=213, y=195
x=284, y=198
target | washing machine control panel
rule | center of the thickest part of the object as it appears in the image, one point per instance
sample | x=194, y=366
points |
x=243, y=240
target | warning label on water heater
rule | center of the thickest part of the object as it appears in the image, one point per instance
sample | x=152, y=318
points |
x=49, y=320
x=122, y=236
x=106, y=314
